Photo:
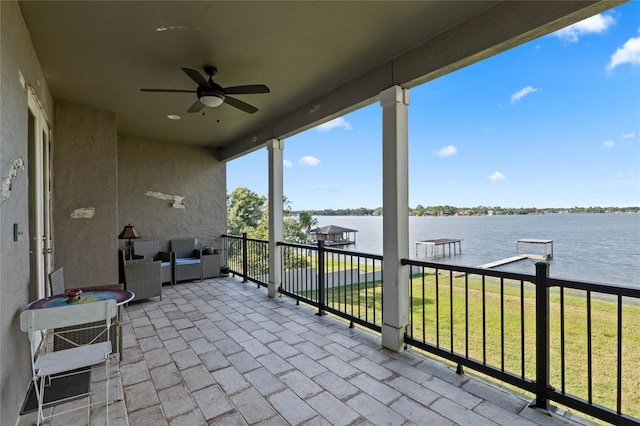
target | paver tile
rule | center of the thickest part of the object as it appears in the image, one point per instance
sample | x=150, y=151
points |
x=335, y=385
x=458, y=414
x=264, y=381
x=376, y=389
x=332, y=409
x=303, y=386
x=420, y=414
x=292, y=408
x=252, y=406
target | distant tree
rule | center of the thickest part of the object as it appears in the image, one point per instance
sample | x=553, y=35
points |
x=248, y=212
x=307, y=222
x=245, y=211
x=293, y=231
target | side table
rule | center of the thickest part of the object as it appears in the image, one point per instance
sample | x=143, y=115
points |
x=210, y=265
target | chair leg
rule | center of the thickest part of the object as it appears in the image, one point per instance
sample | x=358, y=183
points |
x=39, y=389
x=89, y=404
x=106, y=372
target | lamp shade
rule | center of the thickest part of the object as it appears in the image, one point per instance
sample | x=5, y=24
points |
x=129, y=233
x=212, y=100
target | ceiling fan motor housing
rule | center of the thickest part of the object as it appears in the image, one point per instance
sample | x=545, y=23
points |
x=215, y=90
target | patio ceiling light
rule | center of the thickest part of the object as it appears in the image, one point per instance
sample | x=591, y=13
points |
x=212, y=99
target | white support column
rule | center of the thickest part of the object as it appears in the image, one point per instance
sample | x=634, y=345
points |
x=275, y=147
x=395, y=203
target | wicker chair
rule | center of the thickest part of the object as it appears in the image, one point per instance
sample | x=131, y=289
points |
x=143, y=277
x=56, y=281
x=187, y=259
x=150, y=249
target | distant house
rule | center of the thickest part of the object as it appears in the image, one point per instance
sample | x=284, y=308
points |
x=334, y=235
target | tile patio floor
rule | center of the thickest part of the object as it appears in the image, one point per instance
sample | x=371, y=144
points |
x=221, y=352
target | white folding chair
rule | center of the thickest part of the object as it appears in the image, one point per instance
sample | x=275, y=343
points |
x=47, y=364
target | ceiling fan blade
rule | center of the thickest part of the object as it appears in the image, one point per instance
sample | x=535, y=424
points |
x=243, y=106
x=196, y=107
x=195, y=76
x=245, y=90
x=168, y=90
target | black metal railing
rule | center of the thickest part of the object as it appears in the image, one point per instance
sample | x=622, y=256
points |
x=232, y=254
x=575, y=343
x=344, y=283
x=247, y=258
x=570, y=342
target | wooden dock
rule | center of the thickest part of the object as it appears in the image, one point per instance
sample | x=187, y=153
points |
x=512, y=259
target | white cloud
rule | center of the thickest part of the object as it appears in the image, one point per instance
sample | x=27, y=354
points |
x=629, y=53
x=629, y=135
x=325, y=188
x=625, y=174
x=496, y=176
x=522, y=93
x=597, y=24
x=287, y=164
x=308, y=160
x=335, y=123
x=447, y=151
x=608, y=144
x=452, y=181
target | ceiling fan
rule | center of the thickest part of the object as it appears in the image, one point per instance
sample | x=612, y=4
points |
x=213, y=95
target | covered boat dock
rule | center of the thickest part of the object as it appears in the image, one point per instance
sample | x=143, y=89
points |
x=443, y=243
x=334, y=235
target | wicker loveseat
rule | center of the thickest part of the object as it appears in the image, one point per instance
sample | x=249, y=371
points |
x=187, y=259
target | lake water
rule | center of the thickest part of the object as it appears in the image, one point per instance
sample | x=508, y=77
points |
x=589, y=247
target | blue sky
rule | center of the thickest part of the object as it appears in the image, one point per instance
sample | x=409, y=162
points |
x=552, y=123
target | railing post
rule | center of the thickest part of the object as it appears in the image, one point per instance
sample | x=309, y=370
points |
x=320, y=278
x=245, y=262
x=542, y=336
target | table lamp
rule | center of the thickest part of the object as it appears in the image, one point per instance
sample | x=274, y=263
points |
x=129, y=233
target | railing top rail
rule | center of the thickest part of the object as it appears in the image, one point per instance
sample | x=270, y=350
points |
x=617, y=290
x=331, y=250
x=239, y=237
x=471, y=270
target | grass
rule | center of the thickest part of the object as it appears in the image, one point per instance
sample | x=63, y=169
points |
x=439, y=314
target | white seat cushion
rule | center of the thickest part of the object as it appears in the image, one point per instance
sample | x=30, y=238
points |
x=187, y=261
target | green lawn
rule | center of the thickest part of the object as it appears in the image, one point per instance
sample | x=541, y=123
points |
x=367, y=300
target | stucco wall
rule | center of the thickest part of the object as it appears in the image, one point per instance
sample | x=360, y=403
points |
x=153, y=177
x=85, y=195
x=17, y=57
x=91, y=169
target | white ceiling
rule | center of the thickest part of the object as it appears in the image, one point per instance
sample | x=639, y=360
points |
x=319, y=58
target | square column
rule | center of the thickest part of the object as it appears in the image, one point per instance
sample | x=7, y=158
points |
x=275, y=147
x=395, y=203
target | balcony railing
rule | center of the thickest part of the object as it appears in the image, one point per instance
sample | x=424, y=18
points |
x=575, y=343
x=344, y=283
x=247, y=257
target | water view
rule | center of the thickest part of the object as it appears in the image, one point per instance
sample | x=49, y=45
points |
x=590, y=247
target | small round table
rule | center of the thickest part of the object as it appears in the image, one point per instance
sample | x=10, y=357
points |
x=120, y=296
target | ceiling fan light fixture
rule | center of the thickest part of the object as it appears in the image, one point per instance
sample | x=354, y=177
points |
x=213, y=100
